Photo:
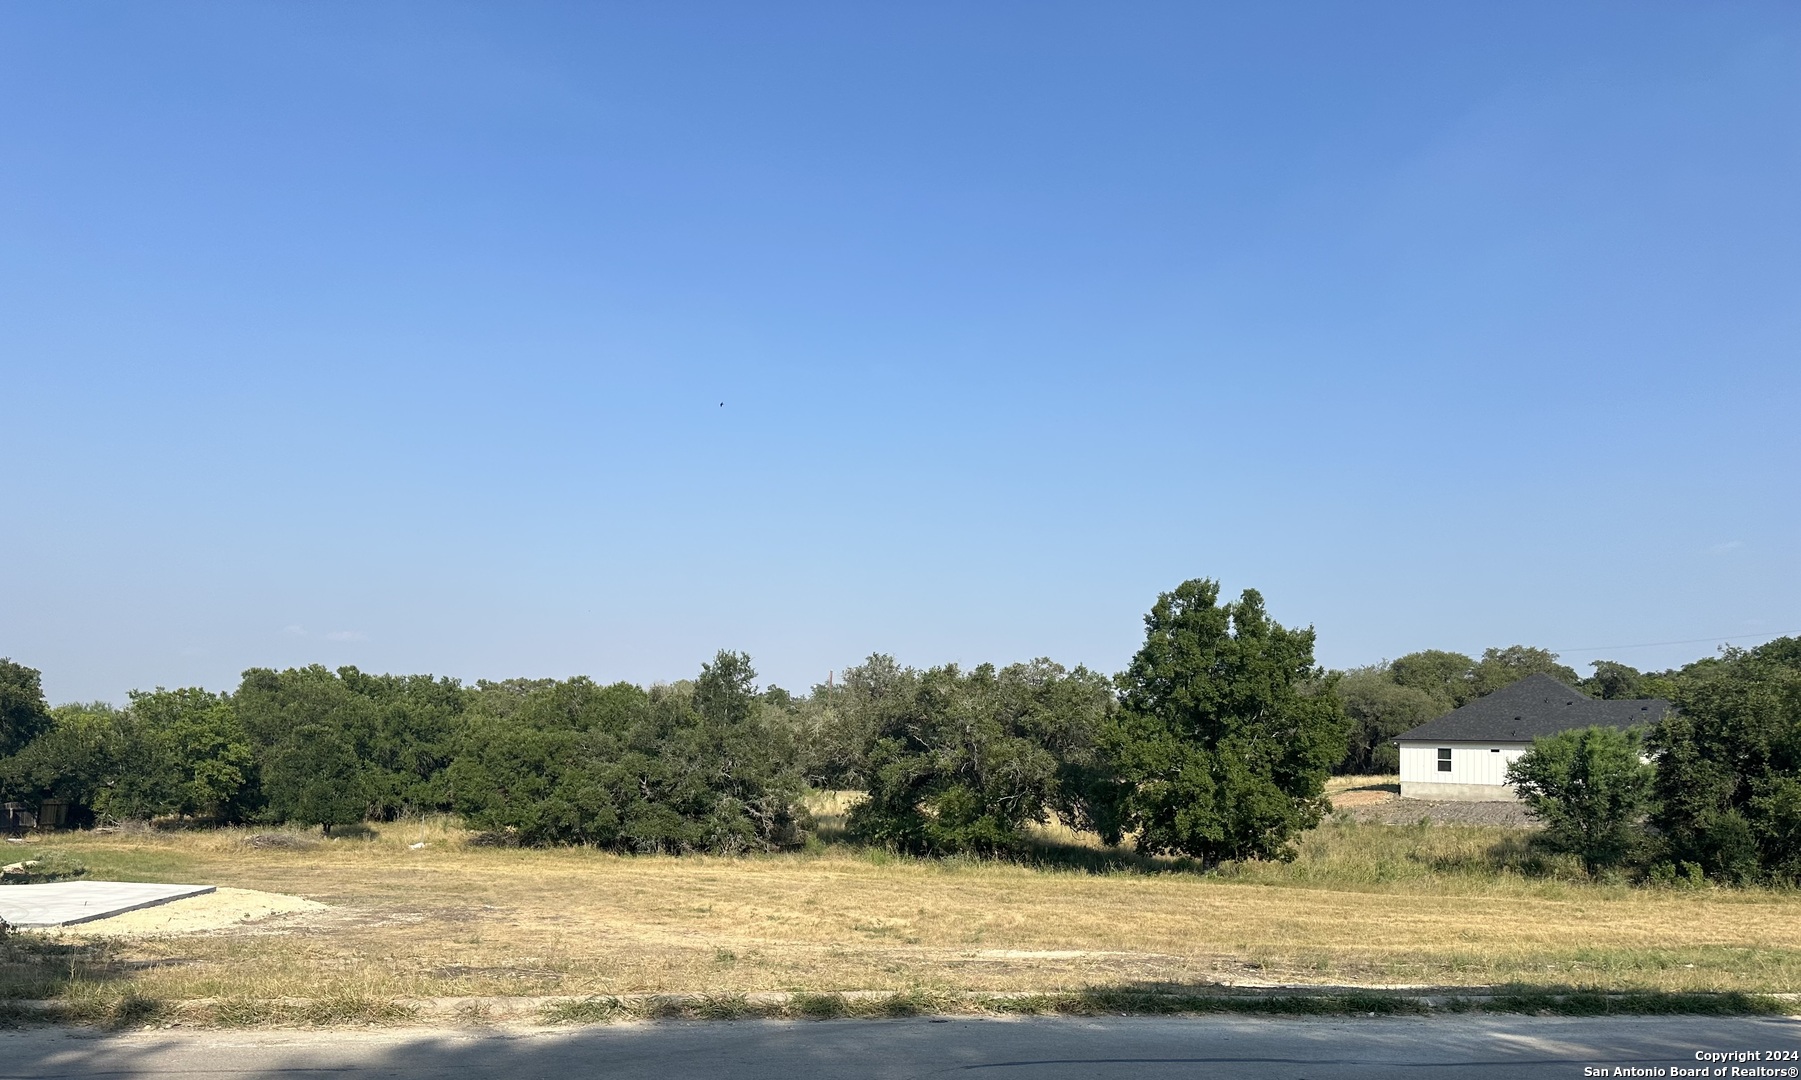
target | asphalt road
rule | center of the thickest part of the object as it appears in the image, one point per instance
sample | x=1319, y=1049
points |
x=1059, y=1049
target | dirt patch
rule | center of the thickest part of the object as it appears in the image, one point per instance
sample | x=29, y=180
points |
x=1346, y=800
x=221, y=909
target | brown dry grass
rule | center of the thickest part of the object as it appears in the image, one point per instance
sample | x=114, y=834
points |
x=1363, y=904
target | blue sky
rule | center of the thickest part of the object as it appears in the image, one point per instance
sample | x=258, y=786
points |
x=397, y=335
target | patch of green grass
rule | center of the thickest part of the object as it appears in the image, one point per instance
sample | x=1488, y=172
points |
x=724, y=1007
x=105, y=1005
x=351, y=1008
x=15, y=1015
x=1347, y=854
x=1639, y=1003
x=908, y=1003
x=34, y=968
x=602, y=1009
x=245, y=1012
x=133, y=1009
x=1098, y=1001
x=342, y=1008
x=818, y=1006
x=1109, y=1001
x=134, y=863
x=39, y=867
x=1127, y=1001
x=666, y=1007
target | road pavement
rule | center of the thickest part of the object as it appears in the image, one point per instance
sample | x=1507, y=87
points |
x=1465, y=1048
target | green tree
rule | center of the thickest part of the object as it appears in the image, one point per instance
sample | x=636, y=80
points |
x=313, y=777
x=964, y=760
x=835, y=727
x=1729, y=764
x=1446, y=677
x=272, y=705
x=1612, y=681
x=1590, y=788
x=695, y=766
x=405, y=737
x=521, y=750
x=752, y=784
x=24, y=715
x=1380, y=709
x=1499, y=667
x=292, y=717
x=726, y=692
x=168, y=752
x=1221, y=750
x=77, y=759
x=181, y=752
x=401, y=729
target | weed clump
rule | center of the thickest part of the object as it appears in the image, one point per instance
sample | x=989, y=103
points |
x=1542, y=1002
x=352, y=1008
x=819, y=1006
x=602, y=1009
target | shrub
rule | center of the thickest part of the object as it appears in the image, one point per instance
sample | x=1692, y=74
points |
x=1591, y=789
x=1729, y=765
x=963, y=760
x=691, y=767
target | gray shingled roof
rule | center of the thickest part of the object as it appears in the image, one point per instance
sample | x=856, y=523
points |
x=1536, y=705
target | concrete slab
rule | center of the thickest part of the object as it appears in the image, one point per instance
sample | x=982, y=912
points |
x=64, y=903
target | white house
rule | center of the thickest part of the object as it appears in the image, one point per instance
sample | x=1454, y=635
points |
x=1463, y=755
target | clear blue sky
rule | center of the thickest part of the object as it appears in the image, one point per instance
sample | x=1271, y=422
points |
x=396, y=334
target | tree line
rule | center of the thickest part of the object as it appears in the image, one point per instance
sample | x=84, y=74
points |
x=1711, y=792
x=1214, y=743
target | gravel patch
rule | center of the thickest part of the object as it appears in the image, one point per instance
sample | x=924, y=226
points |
x=1398, y=811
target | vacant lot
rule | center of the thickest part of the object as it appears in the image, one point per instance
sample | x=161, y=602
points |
x=1364, y=904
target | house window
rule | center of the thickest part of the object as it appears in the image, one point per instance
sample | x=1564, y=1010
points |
x=1444, y=759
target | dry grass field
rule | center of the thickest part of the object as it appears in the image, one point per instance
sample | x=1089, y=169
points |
x=1362, y=905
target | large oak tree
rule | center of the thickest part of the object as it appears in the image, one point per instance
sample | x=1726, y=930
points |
x=1227, y=730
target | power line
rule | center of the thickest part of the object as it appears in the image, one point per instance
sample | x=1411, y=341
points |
x=1688, y=641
